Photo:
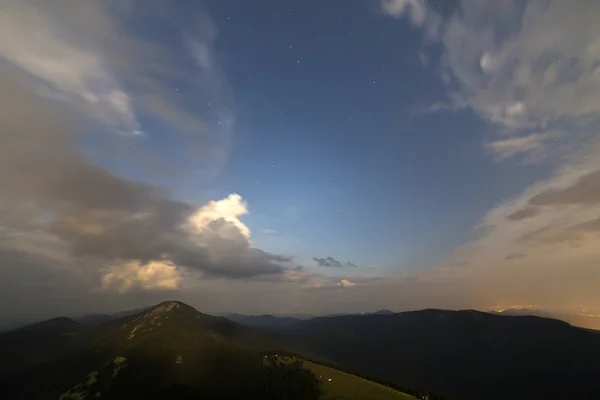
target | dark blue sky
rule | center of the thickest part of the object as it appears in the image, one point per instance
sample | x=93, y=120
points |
x=332, y=150
x=316, y=155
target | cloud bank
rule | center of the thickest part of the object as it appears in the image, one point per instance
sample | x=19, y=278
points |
x=74, y=72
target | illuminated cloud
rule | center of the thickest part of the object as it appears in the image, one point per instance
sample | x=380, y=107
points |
x=586, y=190
x=91, y=218
x=416, y=9
x=133, y=275
x=345, y=283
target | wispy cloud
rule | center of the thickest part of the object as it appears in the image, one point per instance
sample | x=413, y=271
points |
x=531, y=72
x=520, y=68
x=332, y=262
x=67, y=66
x=416, y=9
x=530, y=147
x=88, y=56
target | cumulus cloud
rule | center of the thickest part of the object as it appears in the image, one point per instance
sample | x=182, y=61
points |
x=332, y=262
x=154, y=275
x=61, y=213
x=227, y=210
x=345, y=283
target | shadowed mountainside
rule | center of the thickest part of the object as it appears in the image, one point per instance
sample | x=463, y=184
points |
x=463, y=354
x=170, y=351
x=174, y=351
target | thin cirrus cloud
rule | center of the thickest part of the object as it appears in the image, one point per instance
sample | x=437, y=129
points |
x=516, y=67
x=529, y=147
x=87, y=56
x=529, y=71
x=70, y=70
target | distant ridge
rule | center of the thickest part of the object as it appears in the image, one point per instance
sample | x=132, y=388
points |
x=167, y=351
x=58, y=324
x=466, y=354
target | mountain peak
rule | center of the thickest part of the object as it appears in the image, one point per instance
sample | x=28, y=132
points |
x=55, y=324
x=173, y=306
x=157, y=316
x=167, y=306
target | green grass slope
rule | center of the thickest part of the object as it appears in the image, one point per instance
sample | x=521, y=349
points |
x=338, y=385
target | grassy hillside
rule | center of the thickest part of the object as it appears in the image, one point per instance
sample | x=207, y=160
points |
x=170, y=351
x=338, y=385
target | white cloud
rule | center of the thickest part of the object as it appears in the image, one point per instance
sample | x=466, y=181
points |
x=523, y=66
x=345, y=283
x=216, y=227
x=416, y=9
x=520, y=66
x=228, y=210
x=308, y=279
x=132, y=275
x=487, y=63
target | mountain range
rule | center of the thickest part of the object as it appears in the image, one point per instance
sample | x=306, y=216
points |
x=172, y=351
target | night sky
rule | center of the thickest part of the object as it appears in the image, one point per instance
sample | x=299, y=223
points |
x=299, y=157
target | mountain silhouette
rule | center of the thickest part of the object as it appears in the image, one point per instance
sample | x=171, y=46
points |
x=463, y=354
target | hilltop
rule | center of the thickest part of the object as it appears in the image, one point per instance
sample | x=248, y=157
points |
x=173, y=351
x=169, y=351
